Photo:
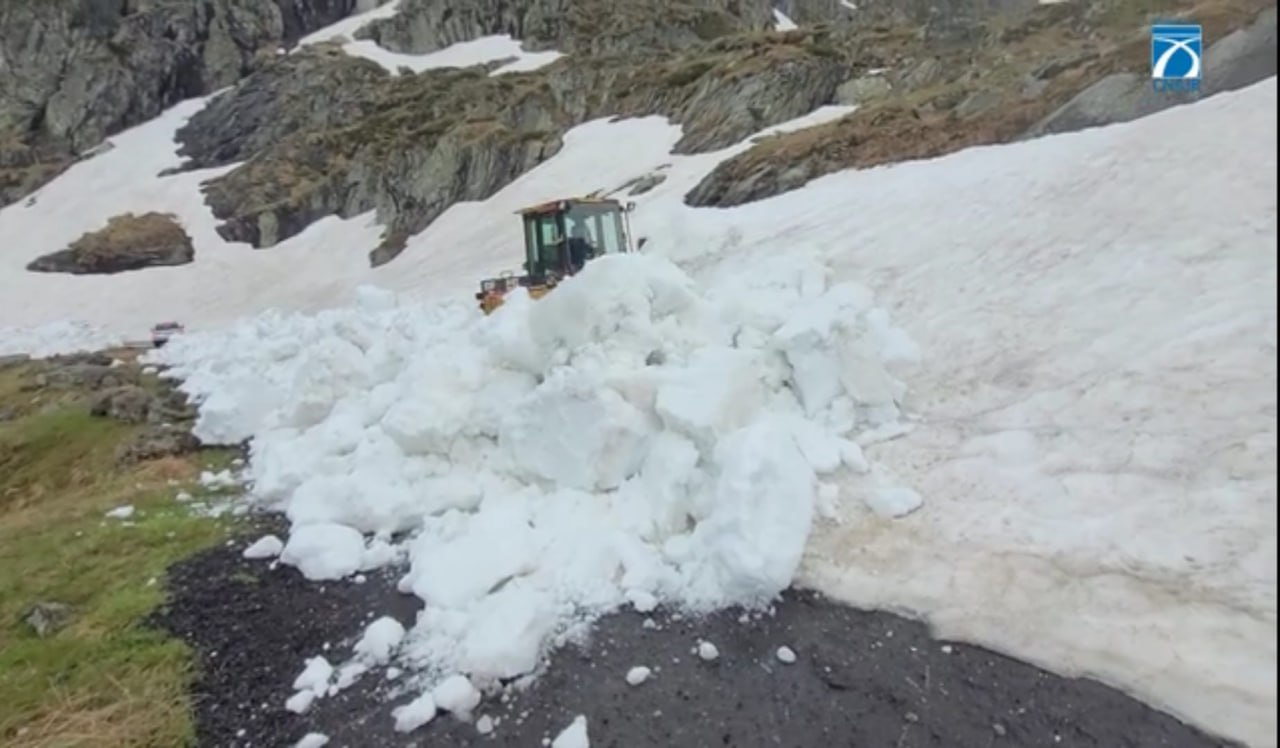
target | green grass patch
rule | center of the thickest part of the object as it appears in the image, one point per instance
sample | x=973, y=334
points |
x=105, y=678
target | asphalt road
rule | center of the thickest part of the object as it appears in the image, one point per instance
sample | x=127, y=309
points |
x=864, y=679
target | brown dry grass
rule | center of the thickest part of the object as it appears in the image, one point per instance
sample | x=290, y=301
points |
x=125, y=234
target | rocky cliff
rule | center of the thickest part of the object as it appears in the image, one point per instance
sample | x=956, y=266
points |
x=1019, y=75
x=571, y=26
x=74, y=71
x=318, y=132
x=422, y=142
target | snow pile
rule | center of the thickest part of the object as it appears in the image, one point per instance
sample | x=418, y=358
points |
x=634, y=437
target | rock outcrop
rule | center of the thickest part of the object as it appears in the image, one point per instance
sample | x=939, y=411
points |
x=429, y=140
x=1013, y=82
x=1240, y=59
x=316, y=88
x=320, y=133
x=73, y=72
x=571, y=26
x=127, y=242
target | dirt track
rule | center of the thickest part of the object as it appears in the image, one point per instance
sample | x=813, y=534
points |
x=861, y=679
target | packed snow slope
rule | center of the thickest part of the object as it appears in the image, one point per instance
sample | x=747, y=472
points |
x=1093, y=431
x=1091, y=424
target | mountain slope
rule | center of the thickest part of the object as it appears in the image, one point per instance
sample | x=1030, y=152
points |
x=1082, y=472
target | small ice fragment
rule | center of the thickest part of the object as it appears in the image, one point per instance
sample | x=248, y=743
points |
x=380, y=639
x=484, y=725
x=456, y=694
x=893, y=502
x=707, y=651
x=650, y=624
x=312, y=740
x=638, y=674
x=642, y=601
x=121, y=512
x=946, y=649
x=415, y=714
x=786, y=655
x=315, y=676
x=267, y=546
x=573, y=736
x=300, y=702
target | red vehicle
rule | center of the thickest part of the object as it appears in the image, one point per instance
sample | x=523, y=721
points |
x=161, y=333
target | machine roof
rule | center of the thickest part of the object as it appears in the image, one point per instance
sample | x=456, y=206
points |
x=553, y=206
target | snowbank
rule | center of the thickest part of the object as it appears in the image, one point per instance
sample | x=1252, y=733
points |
x=539, y=467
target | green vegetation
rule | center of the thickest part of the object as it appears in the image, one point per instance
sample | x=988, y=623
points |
x=105, y=678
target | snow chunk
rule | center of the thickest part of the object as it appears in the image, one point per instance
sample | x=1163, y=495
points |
x=642, y=601
x=315, y=676
x=893, y=502
x=456, y=695
x=121, y=512
x=380, y=639
x=573, y=736
x=708, y=651
x=415, y=714
x=300, y=702
x=267, y=546
x=312, y=740
x=749, y=544
x=484, y=725
x=510, y=629
x=718, y=392
x=786, y=655
x=638, y=674
x=324, y=551
x=576, y=434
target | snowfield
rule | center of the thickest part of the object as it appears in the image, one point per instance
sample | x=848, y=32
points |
x=1027, y=393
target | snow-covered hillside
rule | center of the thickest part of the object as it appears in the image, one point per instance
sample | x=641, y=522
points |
x=1091, y=421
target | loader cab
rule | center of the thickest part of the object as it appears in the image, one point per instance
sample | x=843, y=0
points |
x=561, y=236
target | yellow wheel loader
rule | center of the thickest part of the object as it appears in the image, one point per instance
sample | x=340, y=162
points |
x=560, y=237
